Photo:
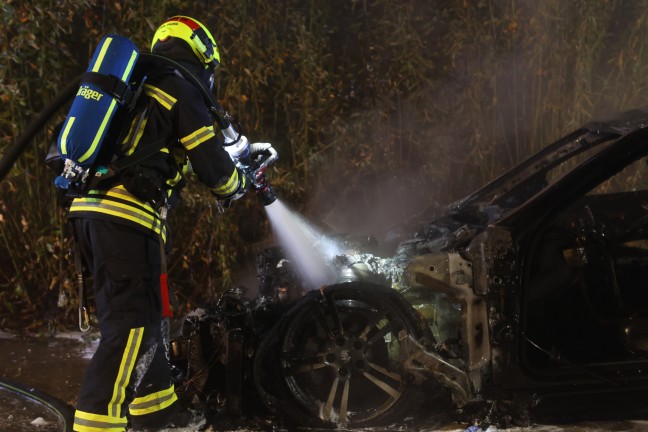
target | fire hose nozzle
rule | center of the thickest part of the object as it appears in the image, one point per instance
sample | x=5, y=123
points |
x=266, y=195
x=264, y=191
x=267, y=156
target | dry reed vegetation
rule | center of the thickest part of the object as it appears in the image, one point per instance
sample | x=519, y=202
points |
x=377, y=111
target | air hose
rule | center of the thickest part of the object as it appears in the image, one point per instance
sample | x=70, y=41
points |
x=63, y=411
x=35, y=126
x=14, y=151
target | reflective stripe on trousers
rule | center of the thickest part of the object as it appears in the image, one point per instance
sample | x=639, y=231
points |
x=130, y=365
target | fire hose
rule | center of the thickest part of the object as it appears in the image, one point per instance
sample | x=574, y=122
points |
x=63, y=411
x=14, y=151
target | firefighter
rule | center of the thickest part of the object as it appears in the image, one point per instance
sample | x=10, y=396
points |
x=121, y=233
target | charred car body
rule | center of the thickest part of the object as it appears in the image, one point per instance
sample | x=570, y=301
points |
x=528, y=296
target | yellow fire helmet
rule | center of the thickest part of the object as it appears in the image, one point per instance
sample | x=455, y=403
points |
x=193, y=33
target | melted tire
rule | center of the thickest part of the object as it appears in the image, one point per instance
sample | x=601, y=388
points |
x=341, y=358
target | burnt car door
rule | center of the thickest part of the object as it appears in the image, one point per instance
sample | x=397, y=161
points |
x=569, y=288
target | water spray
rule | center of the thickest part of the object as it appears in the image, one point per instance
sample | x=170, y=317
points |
x=308, y=248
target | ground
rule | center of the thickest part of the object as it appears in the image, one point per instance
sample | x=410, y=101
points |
x=55, y=366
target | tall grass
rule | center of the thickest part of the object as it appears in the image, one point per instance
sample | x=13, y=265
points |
x=377, y=112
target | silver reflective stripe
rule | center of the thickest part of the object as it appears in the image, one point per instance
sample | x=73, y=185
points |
x=166, y=100
x=151, y=403
x=100, y=424
x=198, y=137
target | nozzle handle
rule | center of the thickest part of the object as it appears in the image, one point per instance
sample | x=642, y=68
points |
x=269, y=160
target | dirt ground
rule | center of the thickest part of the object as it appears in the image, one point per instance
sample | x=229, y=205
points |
x=56, y=365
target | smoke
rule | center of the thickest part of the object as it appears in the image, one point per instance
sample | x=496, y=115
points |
x=379, y=208
x=528, y=76
x=395, y=169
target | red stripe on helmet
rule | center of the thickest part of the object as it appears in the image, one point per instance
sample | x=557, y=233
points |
x=193, y=25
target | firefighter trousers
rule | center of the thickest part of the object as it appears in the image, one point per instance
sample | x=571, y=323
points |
x=129, y=376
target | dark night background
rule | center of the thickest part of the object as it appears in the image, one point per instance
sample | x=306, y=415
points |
x=379, y=110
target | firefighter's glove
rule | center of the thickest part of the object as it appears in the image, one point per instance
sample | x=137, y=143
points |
x=239, y=151
x=262, y=155
x=244, y=185
x=258, y=150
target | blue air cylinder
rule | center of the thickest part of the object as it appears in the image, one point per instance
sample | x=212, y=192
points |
x=97, y=100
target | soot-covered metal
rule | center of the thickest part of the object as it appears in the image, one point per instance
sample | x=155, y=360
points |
x=523, y=300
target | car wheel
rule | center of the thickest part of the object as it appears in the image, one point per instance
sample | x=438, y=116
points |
x=341, y=357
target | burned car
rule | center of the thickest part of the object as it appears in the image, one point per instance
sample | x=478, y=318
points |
x=525, y=298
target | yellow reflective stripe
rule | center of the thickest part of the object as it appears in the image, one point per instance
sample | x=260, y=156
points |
x=229, y=187
x=174, y=181
x=165, y=99
x=66, y=132
x=120, y=192
x=138, y=137
x=102, y=54
x=129, y=66
x=113, y=209
x=78, y=427
x=198, y=137
x=125, y=371
x=132, y=209
x=88, y=422
x=153, y=402
x=100, y=132
x=127, y=138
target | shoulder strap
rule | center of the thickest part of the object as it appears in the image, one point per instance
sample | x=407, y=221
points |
x=139, y=155
x=113, y=170
x=222, y=117
x=142, y=154
x=111, y=85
